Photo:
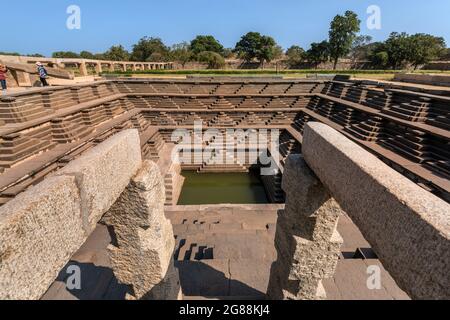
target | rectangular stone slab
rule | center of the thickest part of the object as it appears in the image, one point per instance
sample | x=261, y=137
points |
x=408, y=227
x=39, y=231
x=103, y=173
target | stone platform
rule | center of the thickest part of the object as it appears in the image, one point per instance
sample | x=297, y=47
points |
x=226, y=252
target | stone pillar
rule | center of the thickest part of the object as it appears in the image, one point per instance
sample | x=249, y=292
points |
x=23, y=79
x=111, y=67
x=306, y=240
x=142, y=256
x=124, y=67
x=133, y=67
x=98, y=68
x=83, y=69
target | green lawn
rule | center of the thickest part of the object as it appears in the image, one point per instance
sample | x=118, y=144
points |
x=363, y=74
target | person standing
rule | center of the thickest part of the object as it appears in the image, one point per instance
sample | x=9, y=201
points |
x=3, y=71
x=43, y=75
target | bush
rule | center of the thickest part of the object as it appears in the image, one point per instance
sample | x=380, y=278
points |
x=213, y=59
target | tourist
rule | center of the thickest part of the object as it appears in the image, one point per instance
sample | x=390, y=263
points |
x=3, y=71
x=43, y=75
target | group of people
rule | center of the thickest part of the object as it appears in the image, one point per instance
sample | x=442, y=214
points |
x=42, y=72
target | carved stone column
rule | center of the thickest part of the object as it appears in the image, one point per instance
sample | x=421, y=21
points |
x=83, y=69
x=307, y=242
x=142, y=255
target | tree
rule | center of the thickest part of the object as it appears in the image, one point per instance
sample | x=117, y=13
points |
x=117, y=53
x=342, y=33
x=99, y=56
x=424, y=48
x=181, y=53
x=87, y=55
x=9, y=53
x=65, y=54
x=213, y=59
x=253, y=45
x=378, y=55
x=227, y=53
x=148, y=49
x=295, y=56
x=278, y=52
x=445, y=55
x=318, y=53
x=398, y=49
x=36, y=55
x=361, y=48
x=206, y=43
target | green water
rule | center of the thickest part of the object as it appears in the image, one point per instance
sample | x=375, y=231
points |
x=217, y=188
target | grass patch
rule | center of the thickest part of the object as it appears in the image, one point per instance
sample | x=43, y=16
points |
x=251, y=72
x=258, y=72
x=385, y=75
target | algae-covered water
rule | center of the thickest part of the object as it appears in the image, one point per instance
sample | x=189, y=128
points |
x=217, y=188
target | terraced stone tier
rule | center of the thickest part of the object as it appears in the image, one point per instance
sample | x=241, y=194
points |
x=41, y=129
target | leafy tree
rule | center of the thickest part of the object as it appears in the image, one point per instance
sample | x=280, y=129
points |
x=227, y=53
x=378, y=56
x=99, y=56
x=213, y=59
x=380, y=59
x=342, y=33
x=65, y=54
x=295, y=56
x=117, y=53
x=36, y=55
x=398, y=48
x=318, y=53
x=9, y=53
x=181, y=53
x=445, y=55
x=278, y=52
x=206, y=43
x=424, y=48
x=253, y=45
x=87, y=55
x=361, y=48
x=148, y=49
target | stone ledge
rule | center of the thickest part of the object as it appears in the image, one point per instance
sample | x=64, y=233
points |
x=407, y=226
x=103, y=173
x=39, y=231
x=44, y=226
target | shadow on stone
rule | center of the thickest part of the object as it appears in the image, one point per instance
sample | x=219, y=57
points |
x=97, y=283
x=198, y=279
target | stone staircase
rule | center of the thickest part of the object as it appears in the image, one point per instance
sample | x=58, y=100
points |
x=224, y=252
x=413, y=110
x=222, y=161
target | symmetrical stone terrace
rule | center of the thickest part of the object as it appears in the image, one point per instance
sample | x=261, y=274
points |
x=43, y=129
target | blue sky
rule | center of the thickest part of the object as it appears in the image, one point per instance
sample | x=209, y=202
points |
x=40, y=26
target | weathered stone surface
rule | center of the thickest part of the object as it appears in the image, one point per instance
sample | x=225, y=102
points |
x=39, y=231
x=103, y=172
x=142, y=256
x=408, y=227
x=307, y=242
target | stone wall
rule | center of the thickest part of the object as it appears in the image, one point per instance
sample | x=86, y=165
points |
x=408, y=227
x=44, y=226
x=428, y=79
